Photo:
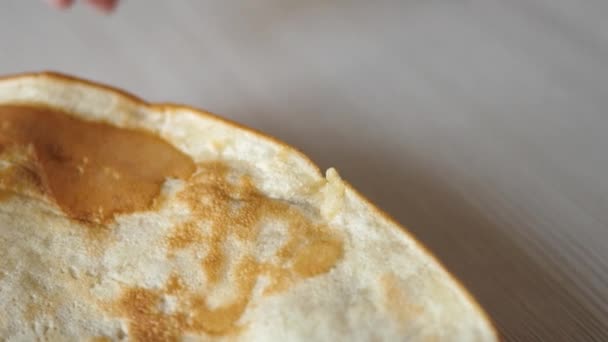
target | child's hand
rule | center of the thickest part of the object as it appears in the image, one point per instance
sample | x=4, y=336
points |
x=102, y=5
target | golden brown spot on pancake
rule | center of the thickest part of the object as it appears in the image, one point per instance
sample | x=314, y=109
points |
x=146, y=321
x=398, y=303
x=234, y=209
x=5, y=194
x=317, y=258
x=101, y=339
x=149, y=323
x=185, y=235
x=222, y=320
x=92, y=170
x=21, y=172
x=174, y=285
x=237, y=209
x=280, y=278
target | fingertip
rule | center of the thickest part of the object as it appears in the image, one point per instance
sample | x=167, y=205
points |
x=106, y=6
x=60, y=3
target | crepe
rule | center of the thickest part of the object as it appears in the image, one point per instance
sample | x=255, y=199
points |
x=124, y=220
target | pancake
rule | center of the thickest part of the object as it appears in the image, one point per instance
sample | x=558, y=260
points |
x=122, y=220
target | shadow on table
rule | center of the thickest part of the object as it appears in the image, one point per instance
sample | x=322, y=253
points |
x=506, y=281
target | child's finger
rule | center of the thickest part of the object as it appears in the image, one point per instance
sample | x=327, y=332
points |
x=60, y=3
x=104, y=5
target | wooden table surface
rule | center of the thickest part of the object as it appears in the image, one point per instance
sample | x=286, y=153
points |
x=481, y=125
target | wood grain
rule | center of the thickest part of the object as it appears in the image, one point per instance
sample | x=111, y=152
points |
x=481, y=125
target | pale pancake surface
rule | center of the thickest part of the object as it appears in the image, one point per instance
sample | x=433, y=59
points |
x=122, y=220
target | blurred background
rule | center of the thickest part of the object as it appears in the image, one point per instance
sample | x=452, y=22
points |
x=480, y=125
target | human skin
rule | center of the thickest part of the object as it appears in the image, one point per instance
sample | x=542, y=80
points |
x=101, y=5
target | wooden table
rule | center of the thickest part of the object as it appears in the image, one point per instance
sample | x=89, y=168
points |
x=481, y=125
